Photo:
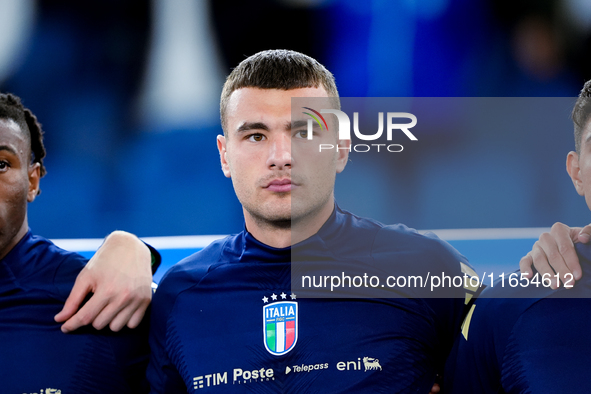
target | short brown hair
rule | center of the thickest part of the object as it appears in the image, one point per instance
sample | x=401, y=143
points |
x=277, y=69
x=581, y=113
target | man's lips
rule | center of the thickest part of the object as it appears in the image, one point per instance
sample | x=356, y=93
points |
x=280, y=185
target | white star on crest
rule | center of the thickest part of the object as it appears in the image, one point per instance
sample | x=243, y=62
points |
x=265, y=300
x=283, y=295
x=274, y=297
x=293, y=296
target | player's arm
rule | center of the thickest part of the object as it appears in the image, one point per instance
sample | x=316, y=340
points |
x=555, y=252
x=119, y=277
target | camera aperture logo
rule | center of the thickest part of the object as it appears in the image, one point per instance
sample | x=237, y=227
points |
x=345, y=130
x=316, y=119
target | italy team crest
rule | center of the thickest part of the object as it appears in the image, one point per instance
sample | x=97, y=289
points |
x=280, y=327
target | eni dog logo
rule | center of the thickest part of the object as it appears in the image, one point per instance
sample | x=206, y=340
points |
x=371, y=364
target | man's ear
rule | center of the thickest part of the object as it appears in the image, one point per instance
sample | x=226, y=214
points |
x=223, y=155
x=34, y=178
x=573, y=169
x=343, y=154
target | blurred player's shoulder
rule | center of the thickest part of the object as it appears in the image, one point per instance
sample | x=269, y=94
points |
x=425, y=251
x=519, y=339
x=380, y=237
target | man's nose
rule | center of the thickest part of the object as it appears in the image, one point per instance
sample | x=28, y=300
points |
x=280, y=152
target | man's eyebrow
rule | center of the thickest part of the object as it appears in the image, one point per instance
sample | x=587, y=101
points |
x=296, y=124
x=8, y=149
x=246, y=126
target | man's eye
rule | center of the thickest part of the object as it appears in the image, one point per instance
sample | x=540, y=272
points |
x=301, y=134
x=256, y=137
x=4, y=165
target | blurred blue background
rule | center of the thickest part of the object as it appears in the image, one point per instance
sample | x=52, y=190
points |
x=127, y=92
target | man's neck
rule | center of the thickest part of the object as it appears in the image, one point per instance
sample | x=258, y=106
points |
x=281, y=237
x=10, y=244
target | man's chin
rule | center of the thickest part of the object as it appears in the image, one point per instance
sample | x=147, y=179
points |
x=282, y=223
x=279, y=219
x=279, y=222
